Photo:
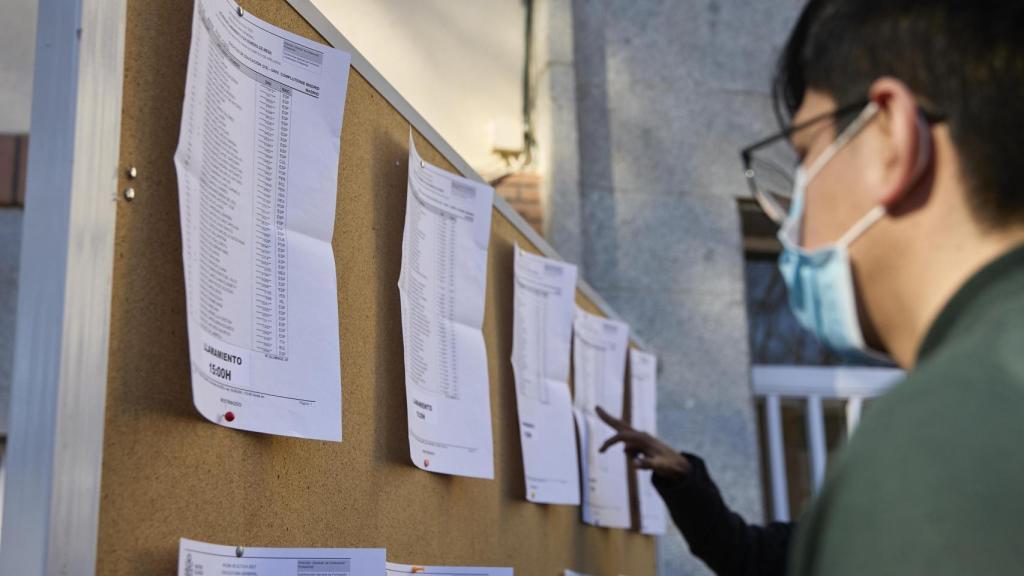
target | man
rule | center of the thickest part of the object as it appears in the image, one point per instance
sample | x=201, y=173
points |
x=904, y=234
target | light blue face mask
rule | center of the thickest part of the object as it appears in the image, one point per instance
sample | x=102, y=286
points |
x=820, y=282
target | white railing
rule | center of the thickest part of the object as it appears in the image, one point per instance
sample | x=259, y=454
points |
x=812, y=385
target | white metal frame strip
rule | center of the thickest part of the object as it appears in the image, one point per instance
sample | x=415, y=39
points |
x=777, y=459
x=330, y=32
x=816, y=447
x=823, y=381
x=54, y=452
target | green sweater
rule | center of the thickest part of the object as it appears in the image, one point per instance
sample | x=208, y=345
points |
x=933, y=480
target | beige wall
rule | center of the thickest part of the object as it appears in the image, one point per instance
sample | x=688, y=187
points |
x=458, y=62
x=17, y=46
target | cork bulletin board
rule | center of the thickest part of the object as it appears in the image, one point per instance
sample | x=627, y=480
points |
x=168, y=473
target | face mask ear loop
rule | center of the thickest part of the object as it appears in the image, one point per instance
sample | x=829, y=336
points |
x=852, y=130
x=842, y=140
x=788, y=228
x=869, y=220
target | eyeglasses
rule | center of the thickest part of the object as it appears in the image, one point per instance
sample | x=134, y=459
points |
x=770, y=165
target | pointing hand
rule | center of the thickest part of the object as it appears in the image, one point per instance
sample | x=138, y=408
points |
x=646, y=451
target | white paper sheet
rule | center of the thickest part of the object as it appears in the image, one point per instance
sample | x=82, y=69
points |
x=401, y=569
x=545, y=291
x=571, y=573
x=599, y=368
x=442, y=287
x=257, y=165
x=643, y=370
x=202, y=559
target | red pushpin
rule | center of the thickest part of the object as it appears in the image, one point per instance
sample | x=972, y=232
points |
x=426, y=462
x=230, y=416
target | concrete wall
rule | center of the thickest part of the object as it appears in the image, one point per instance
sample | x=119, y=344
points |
x=458, y=62
x=17, y=47
x=667, y=92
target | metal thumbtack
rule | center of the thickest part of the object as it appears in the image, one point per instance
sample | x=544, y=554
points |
x=132, y=173
x=241, y=13
x=239, y=551
x=423, y=164
x=129, y=194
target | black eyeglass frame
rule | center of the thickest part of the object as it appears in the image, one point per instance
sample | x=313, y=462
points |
x=930, y=115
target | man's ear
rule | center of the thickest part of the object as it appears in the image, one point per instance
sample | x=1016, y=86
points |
x=904, y=141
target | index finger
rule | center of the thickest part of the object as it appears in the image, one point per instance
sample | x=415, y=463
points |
x=612, y=421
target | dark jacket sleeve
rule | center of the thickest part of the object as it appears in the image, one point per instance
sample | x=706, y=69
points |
x=716, y=534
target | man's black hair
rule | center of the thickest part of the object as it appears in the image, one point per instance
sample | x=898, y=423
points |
x=964, y=58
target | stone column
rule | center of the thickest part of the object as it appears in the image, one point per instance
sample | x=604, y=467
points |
x=553, y=83
x=667, y=92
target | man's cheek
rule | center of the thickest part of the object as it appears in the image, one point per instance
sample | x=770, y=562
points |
x=814, y=224
x=826, y=217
